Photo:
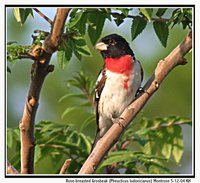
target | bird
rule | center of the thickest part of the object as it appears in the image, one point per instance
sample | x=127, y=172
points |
x=117, y=84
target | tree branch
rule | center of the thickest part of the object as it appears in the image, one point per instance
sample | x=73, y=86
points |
x=175, y=58
x=11, y=169
x=65, y=166
x=43, y=16
x=40, y=69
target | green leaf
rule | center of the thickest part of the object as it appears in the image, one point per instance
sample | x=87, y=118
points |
x=167, y=147
x=68, y=110
x=119, y=21
x=85, y=143
x=147, y=12
x=70, y=95
x=162, y=32
x=75, y=19
x=73, y=138
x=9, y=138
x=61, y=59
x=125, y=11
x=84, y=51
x=21, y=14
x=73, y=12
x=87, y=121
x=137, y=27
x=81, y=25
x=189, y=13
x=38, y=154
x=161, y=12
x=77, y=54
x=157, y=168
x=178, y=144
x=64, y=53
x=95, y=26
x=81, y=46
x=121, y=156
x=17, y=14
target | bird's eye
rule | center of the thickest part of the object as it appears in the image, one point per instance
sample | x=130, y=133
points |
x=112, y=42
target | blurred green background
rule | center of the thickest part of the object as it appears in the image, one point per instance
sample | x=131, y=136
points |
x=173, y=98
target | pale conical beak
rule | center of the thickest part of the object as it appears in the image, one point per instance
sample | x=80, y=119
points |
x=101, y=46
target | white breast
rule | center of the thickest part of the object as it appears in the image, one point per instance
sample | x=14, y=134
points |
x=114, y=97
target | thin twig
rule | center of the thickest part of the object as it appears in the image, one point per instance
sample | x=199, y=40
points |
x=11, y=169
x=89, y=97
x=163, y=68
x=44, y=16
x=52, y=146
x=26, y=56
x=165, y=125
x=65, y=166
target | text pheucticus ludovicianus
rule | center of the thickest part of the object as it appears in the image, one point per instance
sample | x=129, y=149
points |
x=117, y=83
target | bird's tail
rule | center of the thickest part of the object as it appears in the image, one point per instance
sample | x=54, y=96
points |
x=96, y=139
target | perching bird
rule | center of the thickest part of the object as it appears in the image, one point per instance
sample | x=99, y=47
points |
x=117, y=83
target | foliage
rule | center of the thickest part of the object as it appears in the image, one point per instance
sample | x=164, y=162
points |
x=54, y=140
x=21, y=14
x=81, y=87
x=15, y=51
x=92, y=20
x=59, y=142
x=182, y=16
x=162, y=31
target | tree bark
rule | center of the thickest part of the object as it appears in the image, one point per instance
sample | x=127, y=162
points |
x=39, y=71
x=175, y=58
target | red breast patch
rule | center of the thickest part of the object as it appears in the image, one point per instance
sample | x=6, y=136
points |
x=122, y=65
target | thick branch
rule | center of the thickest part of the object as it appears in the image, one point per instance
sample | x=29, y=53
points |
x=175, y=58
x=40, y=69
x=54, y=38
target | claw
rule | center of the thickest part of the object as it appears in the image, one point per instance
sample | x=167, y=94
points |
x=146, y=91
x=117, y=120
x=141, y=90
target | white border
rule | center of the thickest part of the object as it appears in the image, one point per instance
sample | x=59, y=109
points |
x=111, y=2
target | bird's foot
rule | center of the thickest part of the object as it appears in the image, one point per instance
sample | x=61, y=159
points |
x=140, y=91
x=119, y=121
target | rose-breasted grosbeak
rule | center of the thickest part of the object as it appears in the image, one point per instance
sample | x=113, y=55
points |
x=117, y=83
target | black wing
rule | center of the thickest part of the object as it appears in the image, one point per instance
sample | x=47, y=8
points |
x=100, y=83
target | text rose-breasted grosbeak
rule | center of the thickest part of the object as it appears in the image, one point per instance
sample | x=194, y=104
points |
x=117, y=83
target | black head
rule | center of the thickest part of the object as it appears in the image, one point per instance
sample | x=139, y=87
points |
x=114, y=46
